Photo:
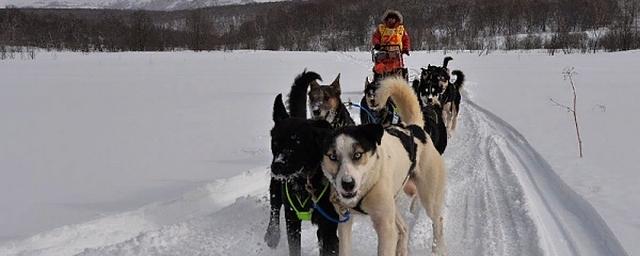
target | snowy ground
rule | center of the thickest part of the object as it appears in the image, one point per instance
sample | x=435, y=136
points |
x=147, y=153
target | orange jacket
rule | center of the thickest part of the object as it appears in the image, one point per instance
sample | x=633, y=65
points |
x=391, y=36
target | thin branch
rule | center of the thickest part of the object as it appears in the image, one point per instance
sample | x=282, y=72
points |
x=560, y=105
x=568, y=74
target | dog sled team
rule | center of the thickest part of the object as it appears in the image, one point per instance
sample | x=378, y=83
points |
x=326, y=169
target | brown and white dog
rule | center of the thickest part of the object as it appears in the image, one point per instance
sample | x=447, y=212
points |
x=369, y=165
x=325, y=104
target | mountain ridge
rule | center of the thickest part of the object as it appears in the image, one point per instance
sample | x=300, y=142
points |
x=155, y=5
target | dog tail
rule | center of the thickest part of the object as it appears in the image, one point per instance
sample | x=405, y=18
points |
x=403, y=96
x=446, y=61
x=298, y=95
x=459, y=78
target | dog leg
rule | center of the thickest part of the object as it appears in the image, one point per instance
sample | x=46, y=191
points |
x=445, y=116
x=454, y=120
x=327, y=239
x=344, y=234
x=293, y=231
x=439, y=247
x=431, y=191
x=385, y=226
x=272, y=236
x=403, y=235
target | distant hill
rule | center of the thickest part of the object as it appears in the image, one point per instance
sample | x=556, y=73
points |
x=157, y=5
x=321, y=25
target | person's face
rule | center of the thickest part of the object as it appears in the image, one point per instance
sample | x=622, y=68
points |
x=390, y=21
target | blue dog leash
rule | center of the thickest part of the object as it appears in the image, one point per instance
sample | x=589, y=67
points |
x=372, y=118
x=347, y=215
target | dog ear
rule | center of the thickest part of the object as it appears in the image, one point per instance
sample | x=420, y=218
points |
x=416, y=86
x=314, y=84
x=373, y=132
x=336, y=83
x=279, y=111
x=366, y=83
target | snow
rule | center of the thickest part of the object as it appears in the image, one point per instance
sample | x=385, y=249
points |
x=147, y=153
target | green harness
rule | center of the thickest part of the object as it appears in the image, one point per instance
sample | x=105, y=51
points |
x=303, y=215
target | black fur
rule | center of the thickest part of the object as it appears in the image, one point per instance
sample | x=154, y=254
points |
x=428, y=86
x=297, y=96
x=342, y=118
x=432, y=97
x=296, y=147
x=279, y=111
x=446, y=61
x=434, y=126
x=368, y=135
x=383, y=116
x=452, y=93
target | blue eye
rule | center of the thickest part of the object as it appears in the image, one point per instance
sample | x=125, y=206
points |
x=357, y=156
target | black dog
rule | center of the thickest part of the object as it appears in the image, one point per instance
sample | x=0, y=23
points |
x=429, y=90
x=297, y=180
x=450, y=100
x=432, y=83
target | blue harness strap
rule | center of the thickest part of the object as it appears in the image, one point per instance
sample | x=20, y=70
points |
x=347, y=215
x=372, y=118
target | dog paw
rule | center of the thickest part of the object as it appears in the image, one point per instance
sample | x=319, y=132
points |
x=272, y=237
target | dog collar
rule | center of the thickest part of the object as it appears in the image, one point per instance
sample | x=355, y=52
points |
x=288, y=178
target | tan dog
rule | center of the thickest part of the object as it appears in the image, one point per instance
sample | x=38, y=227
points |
x=369, y=166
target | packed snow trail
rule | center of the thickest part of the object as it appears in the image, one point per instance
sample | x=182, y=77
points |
x=502, y=199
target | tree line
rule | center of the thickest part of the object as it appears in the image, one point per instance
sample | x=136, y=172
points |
x=556, y=25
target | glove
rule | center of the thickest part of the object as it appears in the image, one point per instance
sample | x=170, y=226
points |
x=406, y=51
x=376, y=47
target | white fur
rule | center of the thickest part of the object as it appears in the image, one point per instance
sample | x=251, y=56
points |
x=381, y=177
x=401, y=93
x=450, y=117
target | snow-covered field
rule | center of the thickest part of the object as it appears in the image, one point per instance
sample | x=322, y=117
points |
x=166, y=153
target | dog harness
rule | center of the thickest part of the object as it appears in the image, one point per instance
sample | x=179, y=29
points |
x=302, y=215
x=410, y=146
x=376, y=117
x=306, y=215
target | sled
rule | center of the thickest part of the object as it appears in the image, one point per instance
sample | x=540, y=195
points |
x=388, y=61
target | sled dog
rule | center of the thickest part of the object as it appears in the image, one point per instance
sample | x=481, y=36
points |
x=369, y=165
x=297, y=182
x=325, y=104
x=384, y=116
x=435, y=89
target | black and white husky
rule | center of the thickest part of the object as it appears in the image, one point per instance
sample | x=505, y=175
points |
x=436, y=92
x=369, y=165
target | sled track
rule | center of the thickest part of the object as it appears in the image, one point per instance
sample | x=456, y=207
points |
x=502, y=199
